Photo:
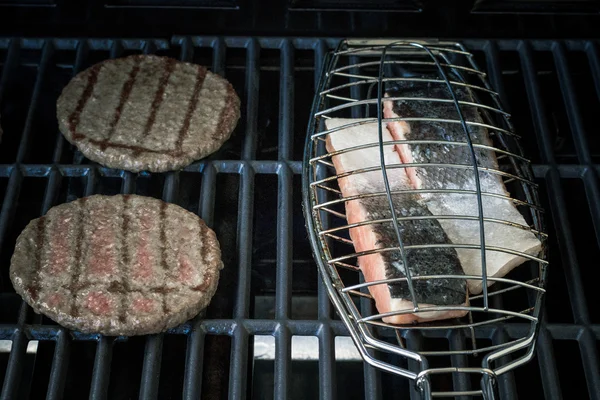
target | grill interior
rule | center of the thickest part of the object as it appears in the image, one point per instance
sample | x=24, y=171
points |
x=249, y=193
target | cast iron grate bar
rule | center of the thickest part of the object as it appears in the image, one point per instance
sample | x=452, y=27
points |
x=60, y=364
x=251, y=96
x=101, y=372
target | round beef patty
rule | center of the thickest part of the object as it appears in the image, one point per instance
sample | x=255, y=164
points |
x=117, y=265
x=146, y=112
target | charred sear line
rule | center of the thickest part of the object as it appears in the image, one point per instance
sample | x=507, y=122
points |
x=159, y=96
x=430, y=261
x=191, y=107
x=124, y=284
x=75, y=116
x=34, y=288
x=163, y=251
x=125, y=92
x=77, y=267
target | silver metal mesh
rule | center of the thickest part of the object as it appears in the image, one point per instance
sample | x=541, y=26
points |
x=351, y=86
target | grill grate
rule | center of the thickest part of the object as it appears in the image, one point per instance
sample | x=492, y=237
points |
x=249, y=193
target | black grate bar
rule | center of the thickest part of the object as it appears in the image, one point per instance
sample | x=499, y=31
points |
x=413, y=343
x=171, y=186
x=538, y=113
x=207, y=194
x=567, y=249
x=283, y=360
x=460, y=381
x=245, y=209
x=594, y=60
x=149, y=47
x=372, y=378
x=547, y=363
x=320, y=48
x=60, y=365
x=251, y=95
x=557, y=203
x=571, y=106
x=12, y=378
x=187, y=49
x=284, y=280
x=90, y=183
x=151, y=367
x=80, y=56
x=284, y=244
x=286, y=100
x=324, y=304
x=101, y=371
x=239, y=363
x=218, y=65
x=327, y=374
x=52, y=187
x=116, y=49
x=128, y=183
x=506, y=382
x=371, y=375
x=495, y=72
x=10, y=202
x=10, y=63
x=239, y=355
x=47, y=51
x=590, y=180
x=192, y=384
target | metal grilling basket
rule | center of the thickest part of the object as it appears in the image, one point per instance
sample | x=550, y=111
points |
x=352, y=86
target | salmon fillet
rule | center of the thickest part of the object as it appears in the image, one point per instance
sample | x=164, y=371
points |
x=506, y=236
x=394, y=297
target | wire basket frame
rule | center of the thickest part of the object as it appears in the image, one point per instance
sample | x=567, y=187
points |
x=352, y=86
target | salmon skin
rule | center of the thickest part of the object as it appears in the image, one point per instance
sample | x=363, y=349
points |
x=463, y=232
x=374, y=234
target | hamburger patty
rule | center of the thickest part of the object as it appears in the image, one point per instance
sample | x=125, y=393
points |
x=117, y=265
x=146, y=112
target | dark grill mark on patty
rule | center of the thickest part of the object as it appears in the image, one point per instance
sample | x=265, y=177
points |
x=207, y=278
x=125, y=92
x=85, y=96
x=163, y=250
x=77, y=263
x=191, y=107
x=158, y=97
x=123, y=286
x=226, y=114
x=40, y=242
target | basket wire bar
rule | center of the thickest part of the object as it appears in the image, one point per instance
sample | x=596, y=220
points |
x=343, y=72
